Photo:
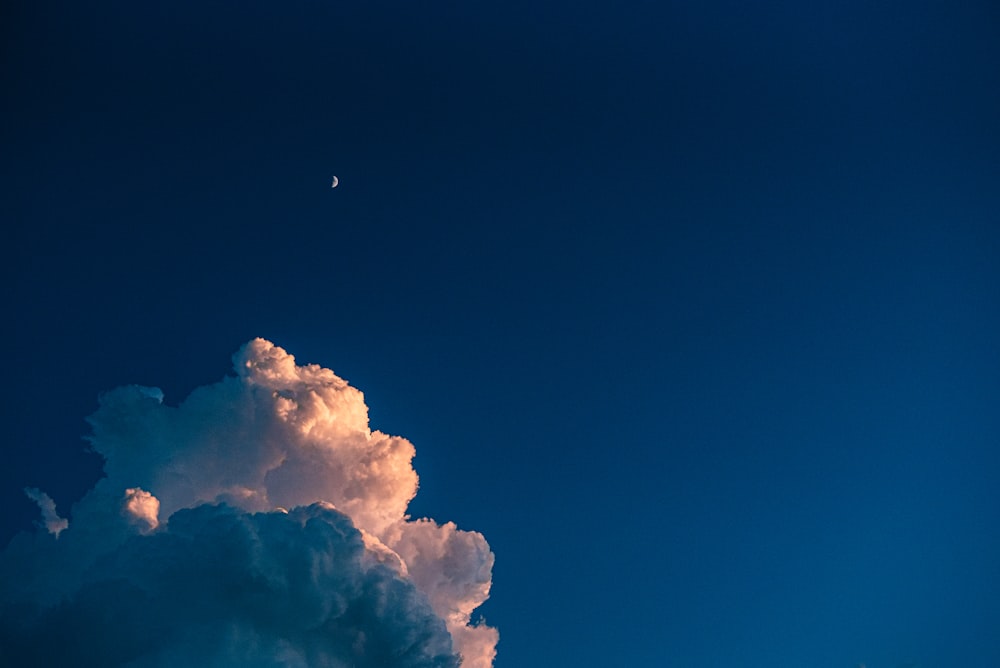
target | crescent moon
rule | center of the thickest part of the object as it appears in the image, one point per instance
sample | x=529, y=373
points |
x=335, y=182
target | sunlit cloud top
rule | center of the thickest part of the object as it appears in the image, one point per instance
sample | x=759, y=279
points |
x=248, y=472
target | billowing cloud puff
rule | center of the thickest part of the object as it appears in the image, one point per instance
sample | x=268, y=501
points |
x=454, y=568
x=142, y=508
x=220, y=587
x=185, y=554
x=275, y=435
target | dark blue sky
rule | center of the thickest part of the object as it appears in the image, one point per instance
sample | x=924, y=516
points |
x=690, y=308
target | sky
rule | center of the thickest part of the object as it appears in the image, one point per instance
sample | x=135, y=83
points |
x=688, y=310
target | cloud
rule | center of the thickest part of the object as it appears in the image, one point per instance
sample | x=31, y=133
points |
x=185, y=554
x=454, y=568
x=141, y=508
x=50, y=518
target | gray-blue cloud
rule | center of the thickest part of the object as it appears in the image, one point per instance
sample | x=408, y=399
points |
x=221, y=587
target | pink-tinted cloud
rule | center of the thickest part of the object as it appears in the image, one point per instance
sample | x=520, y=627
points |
x=50, y=518
x=141, y=508
x=275, y=436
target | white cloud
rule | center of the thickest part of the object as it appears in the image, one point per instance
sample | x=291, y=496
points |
x=277, y=435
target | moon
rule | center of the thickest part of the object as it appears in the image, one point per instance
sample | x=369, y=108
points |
x=335, y=182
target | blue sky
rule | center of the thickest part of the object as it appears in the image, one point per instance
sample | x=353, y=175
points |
x=689, y=308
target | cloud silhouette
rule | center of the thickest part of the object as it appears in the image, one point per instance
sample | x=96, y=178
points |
x=185, y=554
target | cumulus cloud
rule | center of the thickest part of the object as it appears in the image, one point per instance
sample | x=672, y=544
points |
x=142, y=508
x=259, y=522
x=454, y=568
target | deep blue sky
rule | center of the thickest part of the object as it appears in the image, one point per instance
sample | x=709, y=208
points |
x=691, y=308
